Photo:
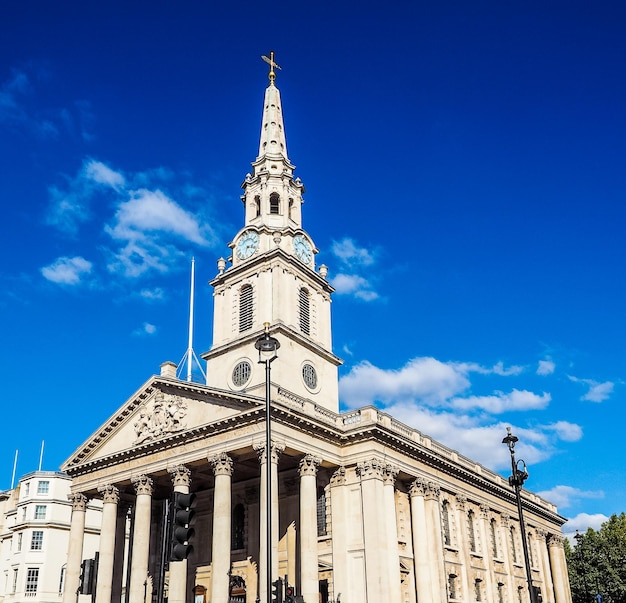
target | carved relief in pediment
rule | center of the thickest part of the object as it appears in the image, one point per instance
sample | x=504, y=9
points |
x=162, y=415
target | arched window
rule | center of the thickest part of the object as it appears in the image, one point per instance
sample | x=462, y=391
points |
x=471, y=531
x=305, y=311
x=494, y=538
x=290, y=210
x=246, y=307
x=452, y=586
x=238, y=527
x=513, y=545
x=445, y=518
x=321, y=511
x=530, y=550
x=478, y=590
x=274, y=203
x=257, y=205
x=500, y=592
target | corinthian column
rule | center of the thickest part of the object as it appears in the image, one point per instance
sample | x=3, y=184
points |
x=339, y=509
x=435, y=542
x=275, y=451
x=177, y=592
x=372, y=500
x=110, y=499
x=141, y=538
x=391, y=533
x=420, y=533
x=75, y=547
x=562, y=593
x=220, y=559
x=309, y=581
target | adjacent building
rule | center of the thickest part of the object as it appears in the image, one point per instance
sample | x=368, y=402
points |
x=364, y=509
x=34, y=536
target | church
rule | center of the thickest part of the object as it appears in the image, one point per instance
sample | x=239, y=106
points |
x=351, y=507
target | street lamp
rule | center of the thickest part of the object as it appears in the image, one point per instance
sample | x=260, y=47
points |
x=267, y=346
x=516, y=480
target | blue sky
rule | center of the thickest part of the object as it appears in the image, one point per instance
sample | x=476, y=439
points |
x=465, y=184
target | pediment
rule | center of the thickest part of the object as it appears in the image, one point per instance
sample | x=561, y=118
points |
x=162, y=410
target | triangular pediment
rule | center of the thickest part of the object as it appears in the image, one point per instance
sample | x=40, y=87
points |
x=162, y=410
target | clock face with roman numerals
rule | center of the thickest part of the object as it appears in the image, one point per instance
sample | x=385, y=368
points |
x=302, y=249
x=247, y=245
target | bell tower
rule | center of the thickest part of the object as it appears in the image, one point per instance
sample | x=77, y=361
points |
x=271, y=276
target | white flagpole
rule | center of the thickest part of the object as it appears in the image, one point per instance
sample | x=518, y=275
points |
x=41, y=456
x=190, y=346
x=14, y=469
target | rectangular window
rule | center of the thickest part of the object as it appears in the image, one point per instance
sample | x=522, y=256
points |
x=14, y=582
x=40, y=511
x=20, y=537
x=43, y=487
x=26, y=489
x=36, y=542
x=23, y=513
x=32, y=577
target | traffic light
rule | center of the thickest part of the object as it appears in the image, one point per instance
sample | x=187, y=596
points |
x=290, y=594
x=87, y=576
x=277, y=591
x=181, y=530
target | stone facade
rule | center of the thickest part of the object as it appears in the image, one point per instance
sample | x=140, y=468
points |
x=363, y=507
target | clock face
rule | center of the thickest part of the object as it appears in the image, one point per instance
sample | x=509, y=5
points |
x=303, y=249
x=247, y=245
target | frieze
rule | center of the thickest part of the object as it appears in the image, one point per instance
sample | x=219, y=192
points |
x=163, y=415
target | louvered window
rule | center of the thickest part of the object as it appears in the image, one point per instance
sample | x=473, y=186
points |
x=245, y=308
x=321, y=511
x=274, y=203
x=305, y=312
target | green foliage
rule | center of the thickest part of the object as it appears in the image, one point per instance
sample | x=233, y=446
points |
x=597, y=562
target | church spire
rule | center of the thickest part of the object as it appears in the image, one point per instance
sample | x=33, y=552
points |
x=272, y=143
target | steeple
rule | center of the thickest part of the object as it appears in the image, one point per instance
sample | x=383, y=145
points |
x=273, y=279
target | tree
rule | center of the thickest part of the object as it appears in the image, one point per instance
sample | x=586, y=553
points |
x=597, y=562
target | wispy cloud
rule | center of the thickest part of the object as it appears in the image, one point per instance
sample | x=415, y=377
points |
x=435, y=397
x=598, y=391
x=145, y=329
x=354, y=276
x=546, y=367
x=67, y=271
x=566, y=496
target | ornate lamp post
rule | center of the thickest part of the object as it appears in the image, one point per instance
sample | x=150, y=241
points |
x=267, y=346
x=516, y=480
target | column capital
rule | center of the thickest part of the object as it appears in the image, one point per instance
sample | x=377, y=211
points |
x=418, y=487
x=460, y=501
x=222, y=464
x=78, y=500
x=371, y=469
x=390, y=473
x=308, y=465
x=276, y=450
x=110, y=494
x=505, y=520
x=143, y=484
x=180, y=474
x=433, y=491
x=484, y=511
x=338, y=478
x=555, y=540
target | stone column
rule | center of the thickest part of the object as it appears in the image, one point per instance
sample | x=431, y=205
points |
x=372, y=500
x=141, y=538
x=421, y=547
x=110, y=498
x=120, y=552
x=339, y=524
x=222, y=520
x=435, y=543
x=562, y=593
x=75, y=547
x=507, y=553
x=309, y=579
x=547, y=588
x=177, y=592
x=275, y=451
x=462, y=544
x=391, y=534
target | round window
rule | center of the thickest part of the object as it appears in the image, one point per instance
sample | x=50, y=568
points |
x=310, y=376
x=241, y=373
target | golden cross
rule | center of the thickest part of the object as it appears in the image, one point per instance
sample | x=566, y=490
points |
x=272, y=63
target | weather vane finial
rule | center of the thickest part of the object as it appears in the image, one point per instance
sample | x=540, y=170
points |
x=273, y=64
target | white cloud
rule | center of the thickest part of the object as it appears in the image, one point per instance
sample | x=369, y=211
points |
x=582, y=522
x=352, y=284
x=598, y=392
x=568, y=432
x=565, y=496
x=67, y=271
x=502, y=402
x=545, y=367
x=350, y=254
x=102, y=174
x=152, y=294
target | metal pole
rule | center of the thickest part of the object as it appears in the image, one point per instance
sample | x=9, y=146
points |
x=268, y=479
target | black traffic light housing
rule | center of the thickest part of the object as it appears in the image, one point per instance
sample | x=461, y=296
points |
x=87, y=579
x=181, y=525
x=290, y=593
x=277, y=591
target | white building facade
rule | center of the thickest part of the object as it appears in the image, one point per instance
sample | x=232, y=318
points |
x=34, y=536
x=364, y=509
